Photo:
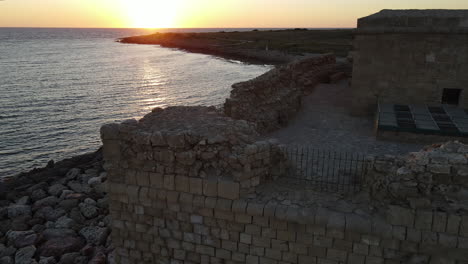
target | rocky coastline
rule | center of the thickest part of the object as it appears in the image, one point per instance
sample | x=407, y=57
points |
x=56, y=214
x=256, y=46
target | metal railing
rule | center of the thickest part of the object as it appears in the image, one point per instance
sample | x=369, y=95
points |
x=331, y=171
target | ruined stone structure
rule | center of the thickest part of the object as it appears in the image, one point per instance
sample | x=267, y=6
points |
x=184, y=188
x=411, y=57
x=273, y=98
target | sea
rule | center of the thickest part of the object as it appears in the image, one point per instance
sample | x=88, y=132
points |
x=59, y=86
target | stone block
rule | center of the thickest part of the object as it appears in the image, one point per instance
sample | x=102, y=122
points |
x=273, y=254
x=361, y=249
x=223, y=254
x=423, y=220
x=439, y=222
x=210, y=188
x=261, y=241
x=245, y=238
x=181, y=183
x=337, y=255
x=228, y=190
x=439, y=168
x=464, y=226
x=453, y=224
x=397, y=215
x=169, y=183
x=252, y=259
x=229, y=245
x=281, y=245
x=196, y=186
x=289, y=257
x=356, y=259
x=255, y=209
x=239, y=206
x=156, y=180
x=307, y=260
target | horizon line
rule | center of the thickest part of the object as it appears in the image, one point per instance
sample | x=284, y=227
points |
x=185, y=28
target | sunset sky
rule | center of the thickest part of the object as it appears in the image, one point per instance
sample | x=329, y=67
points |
x=201, y=13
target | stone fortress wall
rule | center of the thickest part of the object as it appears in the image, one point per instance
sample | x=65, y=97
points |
x=182, y=184
x=273, y=98
x=409, y=57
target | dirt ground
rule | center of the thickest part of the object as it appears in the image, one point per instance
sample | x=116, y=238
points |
x=324, y=123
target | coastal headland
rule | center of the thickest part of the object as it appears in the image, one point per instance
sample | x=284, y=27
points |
x=255, y=46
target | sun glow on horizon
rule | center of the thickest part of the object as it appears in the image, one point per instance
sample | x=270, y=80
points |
x=151, y=13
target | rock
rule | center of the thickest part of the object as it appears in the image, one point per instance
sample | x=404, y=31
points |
x=95, y=235
x=4, y=212
x=90, y=201
x=78, y=187
x=103, y=203
x=23, y=200
x=48, y=201
x=73, y=173
x=21, y=239
x=99, y=258
x=19, y=210
x=69, y=258
x=94, y=181
x=6, y=251
x=47, y=260
x=5, y=225
x=89, y=211
x=38, y=195
x=59, y=246
x=76, y=215
x=6, y=260
x=49, y=214
x=38, y=228
x=65, y=194
x=65, y=223
x=56, y=189
x=49, y=234
x=25, y=255
x=20, y=223
x=87, y=250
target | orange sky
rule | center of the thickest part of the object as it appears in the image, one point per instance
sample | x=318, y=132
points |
x=201, y=13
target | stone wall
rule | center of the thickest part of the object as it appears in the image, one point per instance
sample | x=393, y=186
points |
x=273, y=98
x=184, y=184
x=434, y=177
x=409, y=57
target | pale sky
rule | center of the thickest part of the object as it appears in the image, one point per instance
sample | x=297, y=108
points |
x=202, y=13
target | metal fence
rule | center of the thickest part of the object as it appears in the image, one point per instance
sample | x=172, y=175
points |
x=333, y=171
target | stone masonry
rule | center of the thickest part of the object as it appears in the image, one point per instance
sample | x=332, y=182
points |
x=410, y=57
x=182, y=184
x=273, y=98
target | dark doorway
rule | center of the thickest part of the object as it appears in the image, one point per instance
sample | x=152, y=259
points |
x=451, y=96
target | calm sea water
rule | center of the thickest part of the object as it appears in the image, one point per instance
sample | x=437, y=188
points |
x=58, y=86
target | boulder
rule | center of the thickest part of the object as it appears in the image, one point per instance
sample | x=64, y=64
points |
x=38, y=194
x=73, y=173
x=69, y=258
x=25, y=255
x=15, y=211
x=48, y=201
x=47, y=260
x=56, y=189
x=50, y=234
x=95, y=235
x=6, y=260
x=65, y=222
x=59, y=246
x=88, y=210
x=21, y=239
x=68, y=204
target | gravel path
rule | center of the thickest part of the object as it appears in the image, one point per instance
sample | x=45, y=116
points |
x=325, y=123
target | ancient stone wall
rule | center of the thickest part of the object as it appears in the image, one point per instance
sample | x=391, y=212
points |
x=434, y=177
x=182, y=189
x=273, y=98
x=409, y=57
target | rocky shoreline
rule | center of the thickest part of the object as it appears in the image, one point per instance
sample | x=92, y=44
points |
x=56, y=214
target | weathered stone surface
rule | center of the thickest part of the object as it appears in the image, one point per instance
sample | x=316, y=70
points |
x=88, y=210
x=56, y=247
x=56, y=189
x=25, y=255
x=95, y=235
x=19, y=210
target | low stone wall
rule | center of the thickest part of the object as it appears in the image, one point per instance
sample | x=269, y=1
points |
x=183, y=188
x=434, y=177
x=271, y=99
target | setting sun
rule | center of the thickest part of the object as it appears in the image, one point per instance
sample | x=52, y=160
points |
x=151, y=13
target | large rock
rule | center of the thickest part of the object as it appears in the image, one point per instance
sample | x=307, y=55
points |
x=48, y=201
x=47, y=260
x=73, y=173
x=49, y=234
x=95, y=235
x=65, y=222
x=88, y=210
x=38, y=194
x=25, y=255
x=19, y=210
x=50, y=214
x=59, y=246
x=56, y=189
x=21, y=239
x=6, y=260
